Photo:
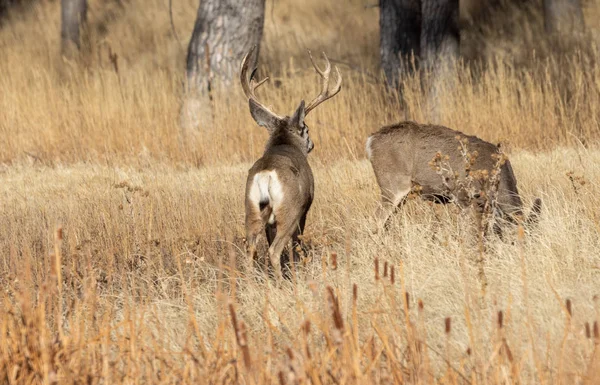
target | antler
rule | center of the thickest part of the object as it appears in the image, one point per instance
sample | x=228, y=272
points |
x=249, y=85
x=325, y=93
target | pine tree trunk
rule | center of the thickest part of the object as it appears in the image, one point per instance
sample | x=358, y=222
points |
x=73, y=20
x=400, y=32
x=224, y=32
x=563, y=16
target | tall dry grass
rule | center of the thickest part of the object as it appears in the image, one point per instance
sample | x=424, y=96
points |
x=57, y=111
x=119, y=258
x=150, y=262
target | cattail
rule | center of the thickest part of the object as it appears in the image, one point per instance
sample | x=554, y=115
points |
x=596, y=331
x=243, y=342
x=240, y=336
x=421, y=305
x=588, y=331
x=338, y=321
x=569, y=310
x=53, y=265
x=355, y=293
x=407, y=299
x=508, y=352
x=59, y=234
x=281, y=377
x=334, y=264
x=234, y=322
x=290, y=353
x=448, y=324
x=377, y=269
x=500, y=319
x=385, y=269
x=468, y=351
x=306, y=327
x=392, y=275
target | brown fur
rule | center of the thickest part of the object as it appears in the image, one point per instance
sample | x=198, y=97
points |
x=401, y=155
x=286, y=153
x=280, y=185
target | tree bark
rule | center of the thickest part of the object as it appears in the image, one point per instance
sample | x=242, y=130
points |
x=563, y=16
x=440, y=33
x=224, y=32
x=400, y=34
x=73, y=20
x=440, y=49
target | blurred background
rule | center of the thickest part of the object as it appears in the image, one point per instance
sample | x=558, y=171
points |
x=150, y=79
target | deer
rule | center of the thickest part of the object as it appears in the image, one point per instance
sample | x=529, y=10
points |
x=280, y=185
x=435, y=161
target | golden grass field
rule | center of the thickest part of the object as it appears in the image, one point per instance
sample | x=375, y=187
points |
x=122, y=252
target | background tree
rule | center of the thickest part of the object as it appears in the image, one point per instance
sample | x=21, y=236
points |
x=427, y=29
x=223, y=33
x=440, y=49
x=73, y=20
x=440, y=34
x=400, y=37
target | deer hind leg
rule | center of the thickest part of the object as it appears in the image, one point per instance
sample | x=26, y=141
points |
x=296, y=242
x=254, y=226
x=285, y=230
x=391, y=196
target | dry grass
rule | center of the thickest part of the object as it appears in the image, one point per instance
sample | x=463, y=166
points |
x=149, y=243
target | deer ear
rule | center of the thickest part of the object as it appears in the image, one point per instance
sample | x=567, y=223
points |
x=298, y=118
x=263, y=117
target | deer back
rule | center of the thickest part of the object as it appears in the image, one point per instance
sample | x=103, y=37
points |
x=409, y=148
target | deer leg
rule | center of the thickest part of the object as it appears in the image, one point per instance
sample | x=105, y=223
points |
x=389, y=201
x=285, y=230
x=254, y=226
x=296, y=243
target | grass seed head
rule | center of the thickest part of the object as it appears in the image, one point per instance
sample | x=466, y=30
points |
x=500, y=319
x=448, y=325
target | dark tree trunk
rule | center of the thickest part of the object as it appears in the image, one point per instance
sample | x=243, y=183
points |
x=400, y=33
x=440, y=49
x=563, y=16
x=440, y=33
x=223, y=33
x=73, y=20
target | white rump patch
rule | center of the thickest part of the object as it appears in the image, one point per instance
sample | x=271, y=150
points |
x=368, y=147
x=267, y=188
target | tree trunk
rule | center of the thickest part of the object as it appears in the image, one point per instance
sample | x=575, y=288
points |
x=440, y=49
x=563, y=16
x=224, y=32
x=440, y=33
x=73, y=20
x=400, y=33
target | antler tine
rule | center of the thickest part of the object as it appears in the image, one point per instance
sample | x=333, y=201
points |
x=249, y=85
x=325, y=93
x=324, y=74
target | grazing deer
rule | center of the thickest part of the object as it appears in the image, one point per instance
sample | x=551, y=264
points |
x=280, y=185
x=403, y=157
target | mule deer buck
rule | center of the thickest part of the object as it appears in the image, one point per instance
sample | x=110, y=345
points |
x=280, y=185
x=404, y=158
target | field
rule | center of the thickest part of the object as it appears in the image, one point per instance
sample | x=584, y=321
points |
x=122, y=253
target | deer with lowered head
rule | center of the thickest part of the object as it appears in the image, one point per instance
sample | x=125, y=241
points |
x=402, y=154
x=280, y=185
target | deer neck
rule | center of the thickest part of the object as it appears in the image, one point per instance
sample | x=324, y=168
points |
x=283, y=137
